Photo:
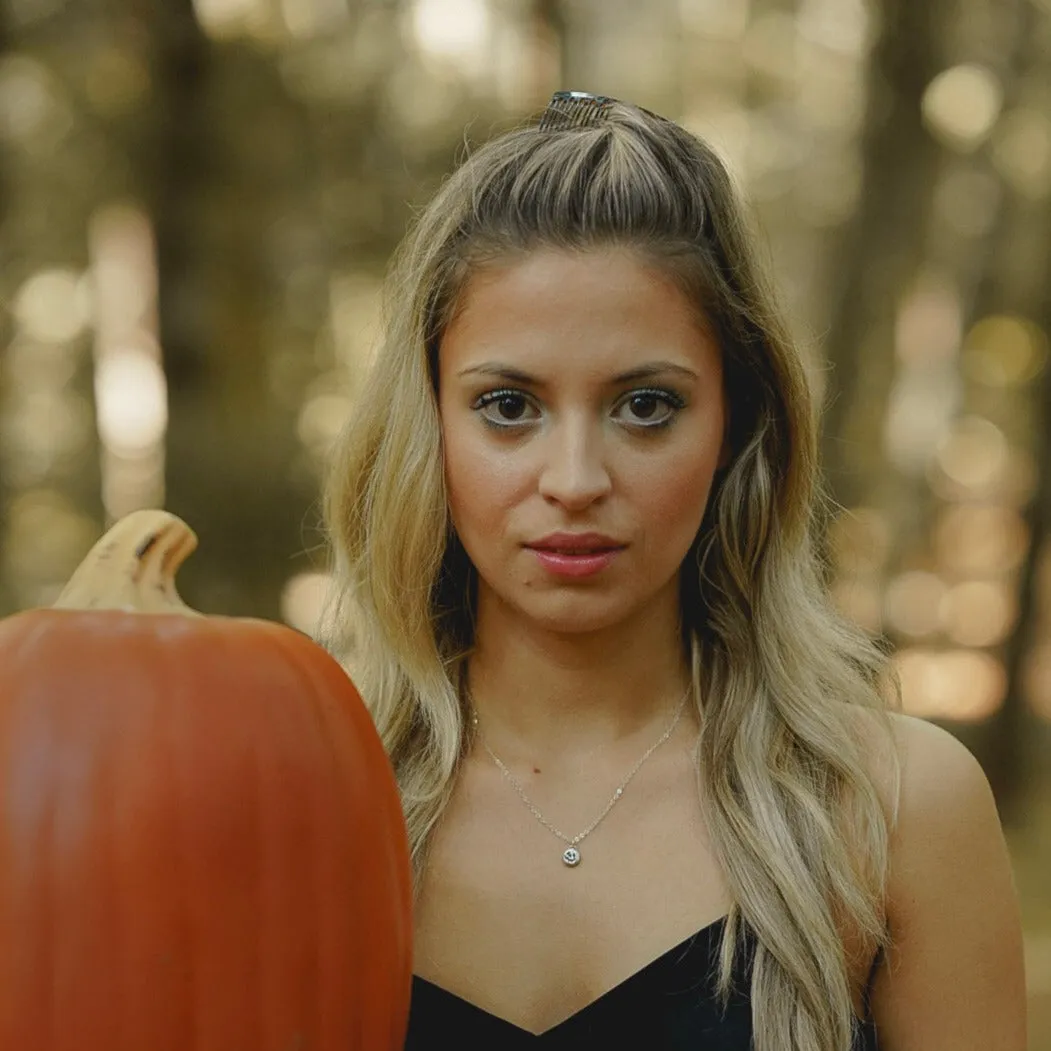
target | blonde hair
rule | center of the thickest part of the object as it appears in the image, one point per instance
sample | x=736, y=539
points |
x=780, y=680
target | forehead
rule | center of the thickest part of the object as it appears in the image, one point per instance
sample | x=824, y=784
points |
x=575, y=312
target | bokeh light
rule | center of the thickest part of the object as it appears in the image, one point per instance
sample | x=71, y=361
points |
x=859, y=540
x=302, y=600
x=928, y=324
x=979, y=612
x=913, y=603
x=320, y=420
x=223, y=19
x=53, y=306
x=309, y=18
x=131, y=393
x=1004, y=351
x=961, y=104
x=974, y=455
x=860, y=601
x=960, y=685
x=1022, y=151
x=132, y=401
x=452, y=31
x=980, y=540
x=34, y=114
x=47, y=536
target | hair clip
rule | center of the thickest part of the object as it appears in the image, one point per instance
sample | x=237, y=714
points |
x=574, y=109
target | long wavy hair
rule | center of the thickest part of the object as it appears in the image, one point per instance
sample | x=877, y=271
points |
x=791, y=697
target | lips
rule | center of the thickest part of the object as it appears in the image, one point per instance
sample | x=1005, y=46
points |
x=588, y=563
x=576, y=544
x=576, y=550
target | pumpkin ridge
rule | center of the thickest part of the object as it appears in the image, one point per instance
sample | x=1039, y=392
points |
x=164, y=751
x=395, y=859
x=378, y=870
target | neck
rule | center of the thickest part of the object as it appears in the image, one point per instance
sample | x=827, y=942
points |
x=545, y=694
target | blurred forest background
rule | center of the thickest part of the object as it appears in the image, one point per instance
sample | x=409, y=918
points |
x=198, y=199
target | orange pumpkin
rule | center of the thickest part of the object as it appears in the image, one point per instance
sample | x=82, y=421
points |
x=201, y=841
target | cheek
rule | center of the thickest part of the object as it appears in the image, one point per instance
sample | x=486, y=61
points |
x=674, y=494
x=480, y=483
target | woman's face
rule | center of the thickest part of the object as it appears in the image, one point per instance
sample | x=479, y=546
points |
x=583, y=419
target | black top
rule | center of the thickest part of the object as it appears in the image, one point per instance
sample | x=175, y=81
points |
x=669, y=1005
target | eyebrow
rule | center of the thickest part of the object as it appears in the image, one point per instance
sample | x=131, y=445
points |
x=643, y=372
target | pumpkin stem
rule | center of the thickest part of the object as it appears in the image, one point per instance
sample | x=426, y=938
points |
x=132, y=567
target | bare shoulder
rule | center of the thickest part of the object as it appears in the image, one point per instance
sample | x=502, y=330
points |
x=954, y=977
x=938, y=771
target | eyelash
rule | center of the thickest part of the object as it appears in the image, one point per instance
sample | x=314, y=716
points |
x=670, y=398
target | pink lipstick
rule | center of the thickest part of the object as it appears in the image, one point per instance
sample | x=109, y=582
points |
x=562, y=564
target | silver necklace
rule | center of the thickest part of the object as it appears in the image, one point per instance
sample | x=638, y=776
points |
x=571, y=855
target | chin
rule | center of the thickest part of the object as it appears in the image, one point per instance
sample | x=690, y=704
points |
x=577, y=614
x=573, y=610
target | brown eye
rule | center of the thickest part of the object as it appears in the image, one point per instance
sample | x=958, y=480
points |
x=511, y=406
x=650, y=408
x=504, y=408
x=644, y=405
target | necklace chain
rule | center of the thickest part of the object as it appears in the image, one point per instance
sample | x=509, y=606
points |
x=571, y=856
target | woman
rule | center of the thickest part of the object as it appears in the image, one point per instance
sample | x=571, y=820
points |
x=653, y=791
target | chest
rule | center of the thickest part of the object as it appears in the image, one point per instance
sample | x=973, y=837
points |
x=503, y=923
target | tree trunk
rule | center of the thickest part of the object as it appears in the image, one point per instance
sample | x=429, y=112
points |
x=1016, y=282
x=50, y=505
x=232, y=451
x=883, y=245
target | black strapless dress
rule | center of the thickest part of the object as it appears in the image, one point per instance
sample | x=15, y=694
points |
x=669, y=1005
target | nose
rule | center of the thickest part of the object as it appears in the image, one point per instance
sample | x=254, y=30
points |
x=574, y=472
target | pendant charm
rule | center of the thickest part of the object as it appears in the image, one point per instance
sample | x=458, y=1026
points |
x=571, y=857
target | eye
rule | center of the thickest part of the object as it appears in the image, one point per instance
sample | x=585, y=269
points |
x=503, y=408
x=651, y=408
